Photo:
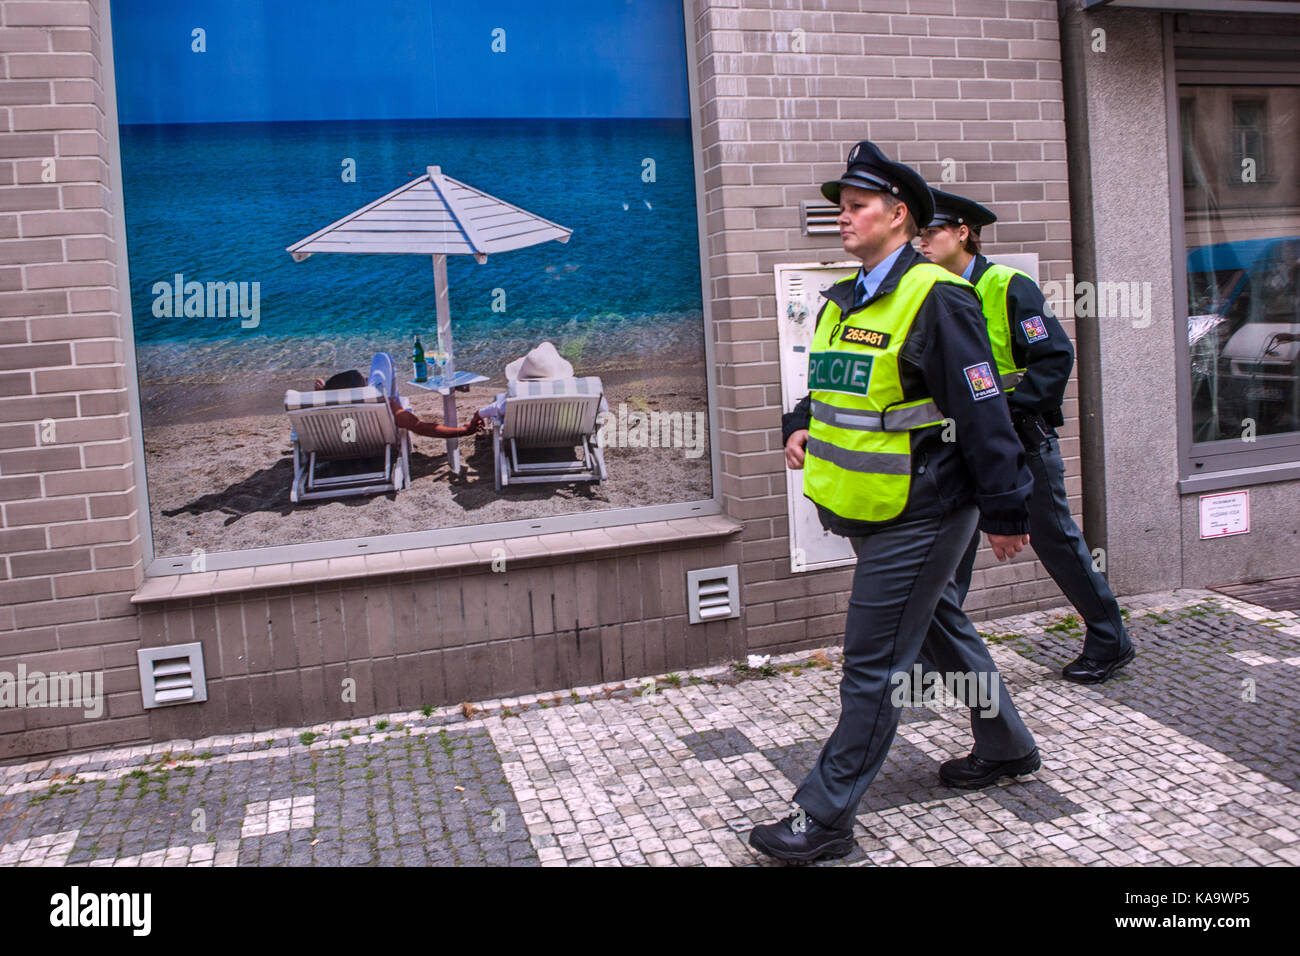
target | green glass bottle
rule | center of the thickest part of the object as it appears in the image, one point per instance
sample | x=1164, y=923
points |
x=417, y=356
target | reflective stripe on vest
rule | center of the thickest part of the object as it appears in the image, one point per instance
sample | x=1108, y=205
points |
x=992, y=289
x=872, y=462
x=858, y=460
x=891, y=420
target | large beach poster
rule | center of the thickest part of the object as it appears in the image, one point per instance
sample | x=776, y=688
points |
x=247, y=126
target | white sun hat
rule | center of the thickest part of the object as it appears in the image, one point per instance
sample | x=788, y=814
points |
x=542, y=362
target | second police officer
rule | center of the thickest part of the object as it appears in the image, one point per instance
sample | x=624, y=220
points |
x=1034, y=358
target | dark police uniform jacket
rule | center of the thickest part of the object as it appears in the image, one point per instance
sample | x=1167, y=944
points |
x=1047, y=361
x=986, y=463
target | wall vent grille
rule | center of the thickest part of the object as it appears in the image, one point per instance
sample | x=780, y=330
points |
x=713, y=594
x=819, y=218
x=172, y=675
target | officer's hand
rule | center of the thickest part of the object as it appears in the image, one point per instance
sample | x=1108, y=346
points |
x=1007, y=545
x=794, y=449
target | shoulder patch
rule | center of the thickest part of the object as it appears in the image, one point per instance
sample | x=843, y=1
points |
x=1035, y=329
x=983, y=383
x=867, y=337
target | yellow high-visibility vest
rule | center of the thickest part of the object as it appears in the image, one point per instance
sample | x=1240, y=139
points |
x=858, y=460
x=992, y=289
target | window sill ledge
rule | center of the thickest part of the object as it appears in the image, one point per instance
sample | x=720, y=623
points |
x=1238, y=478
x=480, y=554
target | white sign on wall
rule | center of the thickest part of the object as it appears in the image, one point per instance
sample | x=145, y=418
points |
x=1225, y=514
x=798, y=300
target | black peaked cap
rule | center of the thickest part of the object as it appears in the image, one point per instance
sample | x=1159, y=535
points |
x=869, y=168
x=954, y=210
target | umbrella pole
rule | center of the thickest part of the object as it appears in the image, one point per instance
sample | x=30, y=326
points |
x=449, y=370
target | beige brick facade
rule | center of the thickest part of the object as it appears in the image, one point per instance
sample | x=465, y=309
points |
x=782, y=93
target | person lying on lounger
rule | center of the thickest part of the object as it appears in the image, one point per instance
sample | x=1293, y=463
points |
x=349, y=379
x=542, y=362
x=382, y=377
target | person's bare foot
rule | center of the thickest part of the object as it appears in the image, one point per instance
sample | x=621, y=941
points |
x=320, y=384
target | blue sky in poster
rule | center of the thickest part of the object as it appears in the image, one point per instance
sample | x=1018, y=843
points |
x=286, y=60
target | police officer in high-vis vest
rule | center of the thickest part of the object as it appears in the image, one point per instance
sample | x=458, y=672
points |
x=898, y=348
x=1034, y=358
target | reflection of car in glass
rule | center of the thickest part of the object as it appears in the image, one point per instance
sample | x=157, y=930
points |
x=1243, y=328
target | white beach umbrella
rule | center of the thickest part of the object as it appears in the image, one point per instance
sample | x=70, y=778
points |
x=436, y=216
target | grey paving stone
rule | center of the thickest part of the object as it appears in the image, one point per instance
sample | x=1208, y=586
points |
x=1168, y=764
x=716, y=744
x=1184, y=678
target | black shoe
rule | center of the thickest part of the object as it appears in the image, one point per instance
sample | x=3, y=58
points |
x=972, y=772
x=1089, y=670
x=801, y=839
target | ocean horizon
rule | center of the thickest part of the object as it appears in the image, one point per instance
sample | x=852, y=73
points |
x=219, y=202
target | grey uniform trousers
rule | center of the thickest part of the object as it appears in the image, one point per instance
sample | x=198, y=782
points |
x=1059, y=544
x=903, y=581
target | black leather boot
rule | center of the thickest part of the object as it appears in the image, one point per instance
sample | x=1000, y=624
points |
x=972, y=772
x=801, y=839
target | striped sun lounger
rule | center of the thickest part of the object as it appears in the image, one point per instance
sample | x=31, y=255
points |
x=341, y=425
x=548, y=432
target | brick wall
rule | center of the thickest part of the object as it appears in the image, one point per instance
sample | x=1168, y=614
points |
x=278, y=658
x=981, y=88
x=70, y=538
x=70, y=535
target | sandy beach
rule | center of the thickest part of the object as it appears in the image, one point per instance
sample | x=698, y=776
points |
x=220, y=471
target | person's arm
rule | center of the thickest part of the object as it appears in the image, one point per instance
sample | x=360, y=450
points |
x=407, y=419
x=1045, y=349
x=794, y=430
x=797, y=419
x=954, y=352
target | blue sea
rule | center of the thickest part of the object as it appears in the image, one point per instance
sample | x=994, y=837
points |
x=220, y=202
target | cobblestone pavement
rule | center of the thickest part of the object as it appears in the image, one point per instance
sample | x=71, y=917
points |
x=1190, y=756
